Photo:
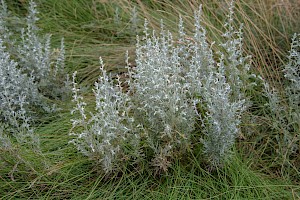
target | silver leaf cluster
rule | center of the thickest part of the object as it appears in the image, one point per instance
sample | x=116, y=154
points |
x=284, y=105
x=28, y=73
x=106, y=130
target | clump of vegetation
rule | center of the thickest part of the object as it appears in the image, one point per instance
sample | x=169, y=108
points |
x=284, y=108
x=185, y=117
x=108, y=131
x=31, y=76
x=168, y=83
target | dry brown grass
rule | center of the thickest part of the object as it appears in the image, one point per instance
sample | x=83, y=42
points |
x=268, y=24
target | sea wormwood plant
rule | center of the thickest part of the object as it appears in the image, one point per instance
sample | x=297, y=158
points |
x=237, y=65
x=36, y=58
x=284, y=106
x=171, y=77
x=224, y=94
x=29, y=73
x=16, y=90
x=162, y=97
x=108, y=131
x=292, y=74
x=34, y=54
x=222, y=117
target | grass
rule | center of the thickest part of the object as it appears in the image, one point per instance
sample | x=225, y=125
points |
x=255, y=172
x=70, y=175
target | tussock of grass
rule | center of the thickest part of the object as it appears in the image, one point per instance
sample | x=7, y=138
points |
x=73, y=177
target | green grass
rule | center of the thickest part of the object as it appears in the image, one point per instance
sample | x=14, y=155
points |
x=60, y=172
x=67, y=174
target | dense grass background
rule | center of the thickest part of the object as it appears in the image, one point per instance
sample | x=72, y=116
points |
x=90, y=30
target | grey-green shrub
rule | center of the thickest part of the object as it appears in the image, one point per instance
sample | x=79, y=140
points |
x=172, y=76
x=224, y=94
x=172, y=79
x=284, y=105
x=106, y=131
x=162, y=97
x=237, y=63
x=36, y=57
x=222, y=117
x=17, y=90
x=292, y=74
x=29, y=74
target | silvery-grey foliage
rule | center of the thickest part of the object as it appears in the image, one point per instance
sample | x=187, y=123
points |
x=5, y=142
x=162, y=93
x=171, y=77
x=37, y=58
x=292, y=73
x=171, y=80
x=34, y=54
x=237, y=65
x=284, y=106
x=196, y=56
x=29, y=71
x=105, y=131
x=17, y=90
x=134, y=20
x=222, y=117
x=223, y=94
